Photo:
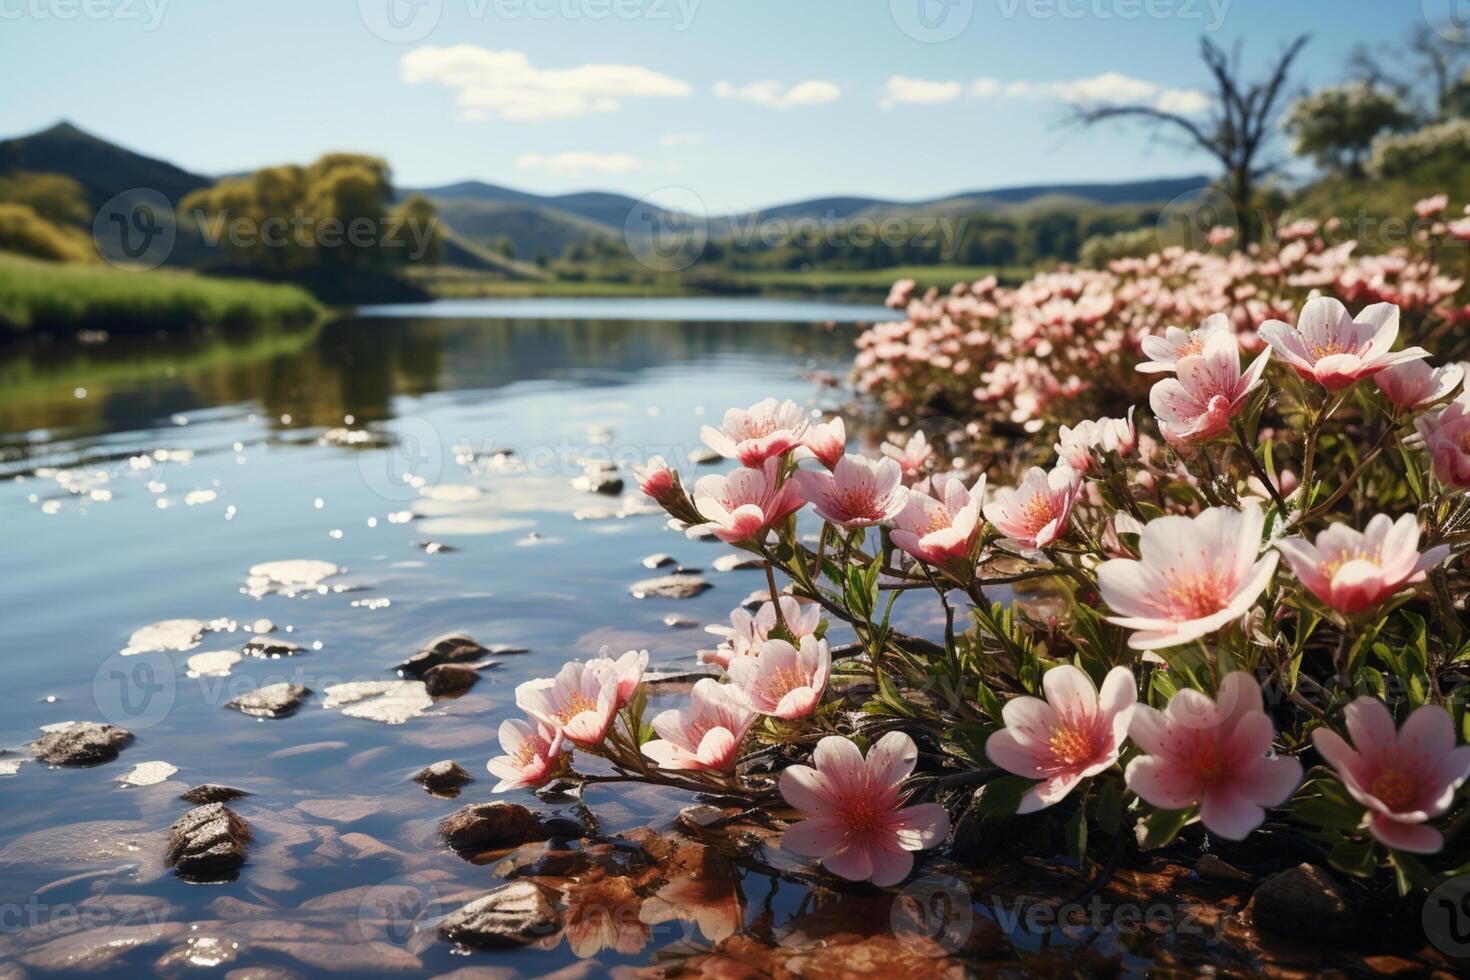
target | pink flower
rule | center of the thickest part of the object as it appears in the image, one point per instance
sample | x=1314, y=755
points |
x=1213, y=753
x=1196, y=575
x=1430, y=206
x=1209, y=391
x=1404, y=777
x=581, y=700
x=1354, y=570
x=1164, y=352
x=1036, y=512
x=1330, y=347
x=1070, y=736
x=856, y=821
x=1416, y=384
x=1459, y=228
x=1077, y=445
x=826, y=442
x=746, y=634
x=705, y=735
x=943, y=531
x=913, y=456
x=784, y=681
x=1219, y=235
x=656, y=479
x=761, y=432
x=627, y=671
x=1446, y=435
x=859, y=492
x=745, y=504
x=899, y=294
x=532, y=755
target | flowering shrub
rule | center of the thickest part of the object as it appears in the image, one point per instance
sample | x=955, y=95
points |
x=1063, y=345
x=1181, y=684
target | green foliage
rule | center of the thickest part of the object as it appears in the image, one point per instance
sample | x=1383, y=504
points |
x=1336, y=125
x=57, y=198
x=24, y=231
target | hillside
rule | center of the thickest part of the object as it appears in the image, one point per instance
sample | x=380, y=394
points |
x=104, y=169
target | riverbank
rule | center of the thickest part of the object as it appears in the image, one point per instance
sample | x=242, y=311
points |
x=37, y=295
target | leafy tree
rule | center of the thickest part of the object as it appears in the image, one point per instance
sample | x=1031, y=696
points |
x=1336, y=125
x=25, y=231
x=56, y=198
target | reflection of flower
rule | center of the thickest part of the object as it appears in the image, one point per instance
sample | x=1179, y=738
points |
x=856, y=821
x=1403, y=777
x=1214, y=753
x=708, y=896
x=763, y=431
x=1070, y=736
x=1354, y=570
x=603, y=914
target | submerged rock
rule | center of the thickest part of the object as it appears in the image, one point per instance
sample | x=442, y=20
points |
x=212, y=793
x=451, y=648
x=735, y=562
x=169, y=634
x=389, y=702
x=271, y=701
x=704, y=457
x=1303, y=902
x=659, y=560
x=485, y=826
x=80, y=743
x=442, y=777
x=599, y=481
x=208, y=841
x=288, y=577
x=270, y=648
x=669, y=587
x=447, y=679
x=512, y=915
x=212, y=663
x=148, y=774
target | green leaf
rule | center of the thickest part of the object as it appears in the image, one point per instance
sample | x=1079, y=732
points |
x=1354, y=857
x=1077, y=834
x=1160, y=827
x=1109, y=808
x=1001, y=796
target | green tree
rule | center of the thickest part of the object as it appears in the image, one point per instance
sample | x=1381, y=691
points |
x=1337, y=125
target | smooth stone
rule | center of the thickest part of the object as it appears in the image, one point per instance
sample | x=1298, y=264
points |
x=389, y=702
x=514, y=914
x=265, y=647
x=208, y=841
x=148, y=774
x=447, y=649
x=448, y=679
x=599, y=482
x=669, y=587
x=1303, y=902
x=169, y=634
x=675, y=621
x=704, y=457
x=80, y=743
x=212, y=663
x=271, y=701
x=483, y=826
x=442, y=776
x=212, y=793
x=436, y=548
x=659, y=560
x=735, y=562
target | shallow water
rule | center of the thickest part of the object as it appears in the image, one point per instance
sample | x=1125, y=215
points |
x=144, y=478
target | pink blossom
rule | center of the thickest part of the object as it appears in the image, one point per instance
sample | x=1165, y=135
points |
x=581, y=700
x=765, y=430
x=656, y=479
x=856, y=821
x=627, y=670
x=784, y=681
x=1164, y=352
x=745, y=504
x=899, y=293
x=1209, y=391
x=859, y=492
x=1196, y=575
x=1076, y=445
x=1214, y=753
x=704, y=735
x=1330, y=347
x=1417, y=384
x=1354, y=570
x=1036, y=512
x=942, y=531
x=532, y=755
x=746, y=634
x=1070, y=736
x=913, y=456
x=1219, y=235
x=1428, y=207
x=1459, y=228
x=1446, y=435
x=825, y=442
x=1404, y=777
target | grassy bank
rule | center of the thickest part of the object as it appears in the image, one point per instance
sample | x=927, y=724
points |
x=49, y=296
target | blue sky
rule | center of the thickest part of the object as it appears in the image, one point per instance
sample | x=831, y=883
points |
x=742, y=102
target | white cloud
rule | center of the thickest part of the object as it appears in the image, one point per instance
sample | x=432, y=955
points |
x=680, y=139
x=1108, y=87
x=572, y=163
x=775, y=95
x=506, y=84
x=903, y=89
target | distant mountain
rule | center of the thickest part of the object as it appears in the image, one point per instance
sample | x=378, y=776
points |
x=104, y=169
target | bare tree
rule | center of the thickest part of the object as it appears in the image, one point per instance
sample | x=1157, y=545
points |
x=1241, y=122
